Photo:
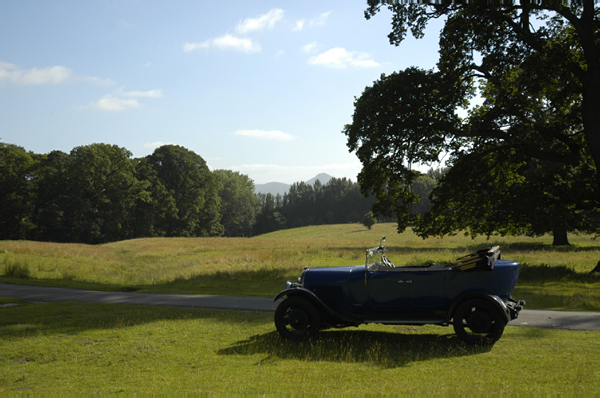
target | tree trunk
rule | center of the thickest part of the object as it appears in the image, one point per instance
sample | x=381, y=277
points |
x=591, y=84
x=560, y=238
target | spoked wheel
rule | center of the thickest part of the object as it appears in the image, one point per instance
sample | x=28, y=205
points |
x=478, y=322
x=297, y=319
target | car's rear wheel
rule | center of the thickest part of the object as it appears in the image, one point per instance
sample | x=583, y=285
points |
x=297, y=319
x=478, y=322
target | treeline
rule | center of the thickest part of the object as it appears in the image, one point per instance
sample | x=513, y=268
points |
x=339, y=201
x=98, y=193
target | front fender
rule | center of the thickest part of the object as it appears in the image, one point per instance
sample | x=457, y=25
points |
x=321, y=306
x=299, y=291
x=497, y=301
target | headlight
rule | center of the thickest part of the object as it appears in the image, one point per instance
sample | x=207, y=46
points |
x=299, y=282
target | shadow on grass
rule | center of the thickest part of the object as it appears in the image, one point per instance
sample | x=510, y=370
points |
x=242, y=283
x=554, y=273
x=33, y=319
x=401, y=347
x=465, y=249
x=381, y=349
x=537, y=246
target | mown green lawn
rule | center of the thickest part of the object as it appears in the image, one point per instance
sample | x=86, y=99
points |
x=68, y=348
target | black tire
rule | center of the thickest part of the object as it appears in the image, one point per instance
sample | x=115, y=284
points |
x=478, y=322
x=297, y=319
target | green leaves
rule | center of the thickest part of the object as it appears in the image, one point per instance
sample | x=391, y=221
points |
x=98, y=194
x=17, y=171
x=193, y=189
x=239, y=204
x=516, y=155
x=404, y=118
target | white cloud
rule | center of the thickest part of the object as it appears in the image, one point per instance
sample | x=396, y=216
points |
x=240, y=42
x=115, y=104
x=339, y=58
x=320, y=20
x=311, y=47
x=123, y=100
x=189, y=47
x=226, y=42
x=273, y=135
x=50, y=75
x=261, y=22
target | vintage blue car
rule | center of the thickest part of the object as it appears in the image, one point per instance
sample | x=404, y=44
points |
x=473, y=294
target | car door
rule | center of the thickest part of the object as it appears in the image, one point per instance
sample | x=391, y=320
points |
x=428, y=288
x=389, y=290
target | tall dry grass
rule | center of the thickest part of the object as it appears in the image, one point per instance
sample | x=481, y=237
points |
x=261, y=265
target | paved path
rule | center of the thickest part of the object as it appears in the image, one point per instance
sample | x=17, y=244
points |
x=543, y=319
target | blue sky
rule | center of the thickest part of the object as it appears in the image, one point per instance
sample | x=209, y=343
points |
x=260, y=87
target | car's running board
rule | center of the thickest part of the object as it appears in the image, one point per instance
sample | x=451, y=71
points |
x=409, y=321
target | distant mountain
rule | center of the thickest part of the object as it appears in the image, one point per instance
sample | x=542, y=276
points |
x=322, y=177
x=281, y=188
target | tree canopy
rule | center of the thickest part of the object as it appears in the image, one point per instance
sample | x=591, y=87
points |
x=239, y=203
x=194, y=190
x=98, y=193
x=525, y=160
x=16, y=192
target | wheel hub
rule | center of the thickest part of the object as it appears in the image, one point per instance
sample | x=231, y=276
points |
x=479, y=321
x=299, y=319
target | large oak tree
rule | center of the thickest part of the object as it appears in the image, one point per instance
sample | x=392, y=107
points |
x=525, y=160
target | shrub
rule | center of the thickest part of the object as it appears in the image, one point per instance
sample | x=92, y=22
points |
x=369, y=220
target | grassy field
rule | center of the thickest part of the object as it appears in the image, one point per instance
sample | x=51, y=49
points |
x=551, y=277
x=58, y=348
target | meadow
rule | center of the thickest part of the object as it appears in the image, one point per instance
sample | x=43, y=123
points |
x=551, y=277
x=57, y=348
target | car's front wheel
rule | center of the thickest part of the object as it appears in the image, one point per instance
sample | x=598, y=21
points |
x=479, y=322
x=297, y=319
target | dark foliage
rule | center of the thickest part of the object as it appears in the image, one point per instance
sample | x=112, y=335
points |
x=525, y=160
x=98, y=193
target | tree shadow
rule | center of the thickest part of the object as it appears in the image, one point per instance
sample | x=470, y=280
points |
x=69, y=318
x=538, y=246
x=473, y=247
x=554, y=273
x=380, y=349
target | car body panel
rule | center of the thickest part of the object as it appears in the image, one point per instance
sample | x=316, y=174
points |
x=423, y=294
x=376, y=291
x=361, y=289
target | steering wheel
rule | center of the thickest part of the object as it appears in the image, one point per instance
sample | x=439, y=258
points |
x=386, y=261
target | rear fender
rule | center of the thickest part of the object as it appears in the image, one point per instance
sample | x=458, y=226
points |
x=316, y=301
x=495, y=300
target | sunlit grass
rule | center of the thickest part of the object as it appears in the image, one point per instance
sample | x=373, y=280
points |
x=58, y=348
x=259, y=266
